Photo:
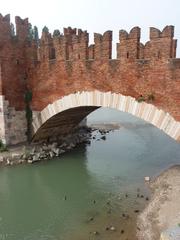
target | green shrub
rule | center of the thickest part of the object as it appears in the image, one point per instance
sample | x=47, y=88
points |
x=3, y=147
x=28, y=99
x=140, y=99
x=56, y=33
x=45, y=29
x=151, y=97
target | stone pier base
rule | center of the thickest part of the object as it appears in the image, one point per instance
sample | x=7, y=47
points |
x=13, y=125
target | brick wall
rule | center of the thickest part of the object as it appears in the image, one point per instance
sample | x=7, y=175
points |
x=65, y=63
x=138, y=70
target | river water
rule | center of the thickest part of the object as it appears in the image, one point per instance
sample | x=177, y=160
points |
x=85, y=192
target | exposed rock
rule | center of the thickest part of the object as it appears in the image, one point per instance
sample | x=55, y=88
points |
x=103, y=138
x=33, y=150
x=16, y=155
x=56, y=151
x=7, y=161
x=44, y=151
x=1, y=159
x=23, y=156
x=51, y=154
x=20, y=161
x=36, y=157
x=54, y=145
x=45, y=147
x=62, y=151
x=136, y=211
x=112, y=228
x=147, y=179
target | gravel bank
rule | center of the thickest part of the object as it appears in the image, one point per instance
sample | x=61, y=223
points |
x=163, y=211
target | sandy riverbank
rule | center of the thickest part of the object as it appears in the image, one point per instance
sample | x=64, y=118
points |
x=163, y=211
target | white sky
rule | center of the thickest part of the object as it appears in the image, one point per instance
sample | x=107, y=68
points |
x=98, y=15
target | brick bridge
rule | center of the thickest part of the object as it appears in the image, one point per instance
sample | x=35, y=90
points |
x=69, y=78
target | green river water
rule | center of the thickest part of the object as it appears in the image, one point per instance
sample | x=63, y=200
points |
x=87, y=189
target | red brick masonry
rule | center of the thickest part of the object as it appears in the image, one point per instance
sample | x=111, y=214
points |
x=57, y=66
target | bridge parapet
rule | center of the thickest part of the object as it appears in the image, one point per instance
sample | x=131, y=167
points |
x=161, y=44
x=5, y=28
x=7, y=31
x=73, y=45
x=57, y=65
x=129, y=46
x=22, y=28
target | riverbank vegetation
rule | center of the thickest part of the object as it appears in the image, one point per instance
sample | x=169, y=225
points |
x=3, y=147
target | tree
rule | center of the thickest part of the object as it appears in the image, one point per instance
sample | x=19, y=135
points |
x=12, y=30
x=36, y=34
x=30, y=32
x=56, y=33
x=45, y=29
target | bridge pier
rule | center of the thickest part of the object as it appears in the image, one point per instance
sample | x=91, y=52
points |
x=13, y=124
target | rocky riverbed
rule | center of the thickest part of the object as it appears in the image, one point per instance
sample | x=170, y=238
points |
x=36, y=152
x=161, y=217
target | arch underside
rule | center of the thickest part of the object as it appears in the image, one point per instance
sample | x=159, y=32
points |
x=63, y=123
x=62, y=116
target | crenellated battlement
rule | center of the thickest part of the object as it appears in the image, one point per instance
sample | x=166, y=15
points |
x=167, y=32
x=22, y=28
x=69, y=31
x=5, y=28
x=161, y=44
x=53, y=66
x=73, y=44
x=129, y=46
x=103, y=45
x=5, y=18
x=135, y=34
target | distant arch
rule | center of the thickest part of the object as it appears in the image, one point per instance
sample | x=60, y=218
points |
x=71, y=109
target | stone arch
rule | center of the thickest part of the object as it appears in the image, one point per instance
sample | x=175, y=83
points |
x=86, y=102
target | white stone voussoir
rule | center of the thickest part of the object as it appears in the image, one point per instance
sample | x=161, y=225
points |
x=143, y=110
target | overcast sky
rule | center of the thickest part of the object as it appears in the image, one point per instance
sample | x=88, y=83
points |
x=98, y=15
